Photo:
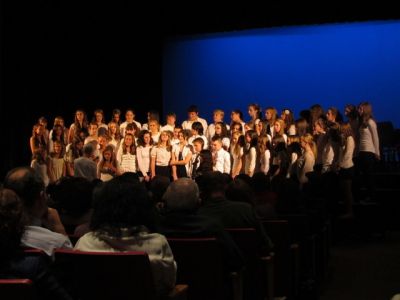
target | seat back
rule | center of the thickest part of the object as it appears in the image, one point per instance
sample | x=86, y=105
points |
x=16, y=289
x=279, y=232
x=200, y=265
x=105, y=275
x=258, y=277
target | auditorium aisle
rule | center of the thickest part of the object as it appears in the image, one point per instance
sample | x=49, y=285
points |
x=364, y=269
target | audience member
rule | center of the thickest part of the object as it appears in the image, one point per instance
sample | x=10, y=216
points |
x=43, y=229
x=122, y=220
x=13, y=263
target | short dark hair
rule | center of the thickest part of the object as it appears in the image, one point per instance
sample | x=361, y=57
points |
x=26, y=183
x=199, y=140
x=12, y=224
x=198, y=127
x=72, y=195
x=211, y=183
x=121, y=203
x=193, y=108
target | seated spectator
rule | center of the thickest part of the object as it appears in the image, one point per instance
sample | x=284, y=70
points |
x=85, y=166
x=13, y=264
x=180, y=219
x=73, y=198
x=158, y=186
x=43, y=229
x=231, y=214
x=122, y=220
x=265, y=198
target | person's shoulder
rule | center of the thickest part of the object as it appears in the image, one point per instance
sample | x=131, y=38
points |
x=371, y=122
x=38, y=230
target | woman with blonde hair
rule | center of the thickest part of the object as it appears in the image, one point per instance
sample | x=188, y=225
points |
x=80, y=124
x=305, y=163
x=270, y=117
x=236, y=150
x=368, y=145
x=37, y=140
x=161, y=156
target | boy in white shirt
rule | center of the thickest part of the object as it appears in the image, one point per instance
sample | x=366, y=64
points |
x=171, y=119
x=193, y=116
x=221, y=158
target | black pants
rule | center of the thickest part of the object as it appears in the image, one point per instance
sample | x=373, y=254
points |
x=365, y=168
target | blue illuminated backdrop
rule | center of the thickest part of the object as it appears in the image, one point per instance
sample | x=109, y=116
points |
x=292, y=67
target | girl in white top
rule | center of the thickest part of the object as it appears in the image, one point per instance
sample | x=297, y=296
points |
x=151, y=115
x=288, y=118
x=39, y=164
x=114, y=134
x=368, y=133
x=57, y=167
x=175, y=133
x=270, y=117
x=126, y=155
x=129, y=118
x=143, y=154
x=264, y=154
x=221, y=131
x=197, y=132
x=347, y=148
x=218, y=116
x=261, y=128
x=368, y=146
x=98, y=117
x=181, y=157
x=43, y=121
x=330, y=152
x=60, y=121
x=154, y=128
x=237, y=127
x=131, y=129
x=161, y=156
x=279, y=129
x=254, y=111
x=237, y=117
x=107, y=168
x=80, y=124
x=57, y=134
x=236, y=150
x=73, y=151
x=37, y=140
x=250, y=152
x=305, y=163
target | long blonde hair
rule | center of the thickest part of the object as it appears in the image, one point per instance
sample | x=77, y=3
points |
x=308, y=139
x=239, y=144
x=168, y=133
x=366, y=113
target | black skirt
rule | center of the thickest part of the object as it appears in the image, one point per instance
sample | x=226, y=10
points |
x=346, y=174
x=163, y=171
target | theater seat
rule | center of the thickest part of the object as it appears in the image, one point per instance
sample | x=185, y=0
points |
x=16, y=289
x=200, y=265
x=109, y=275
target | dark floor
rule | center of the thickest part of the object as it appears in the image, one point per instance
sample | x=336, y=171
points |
x=364, y=268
